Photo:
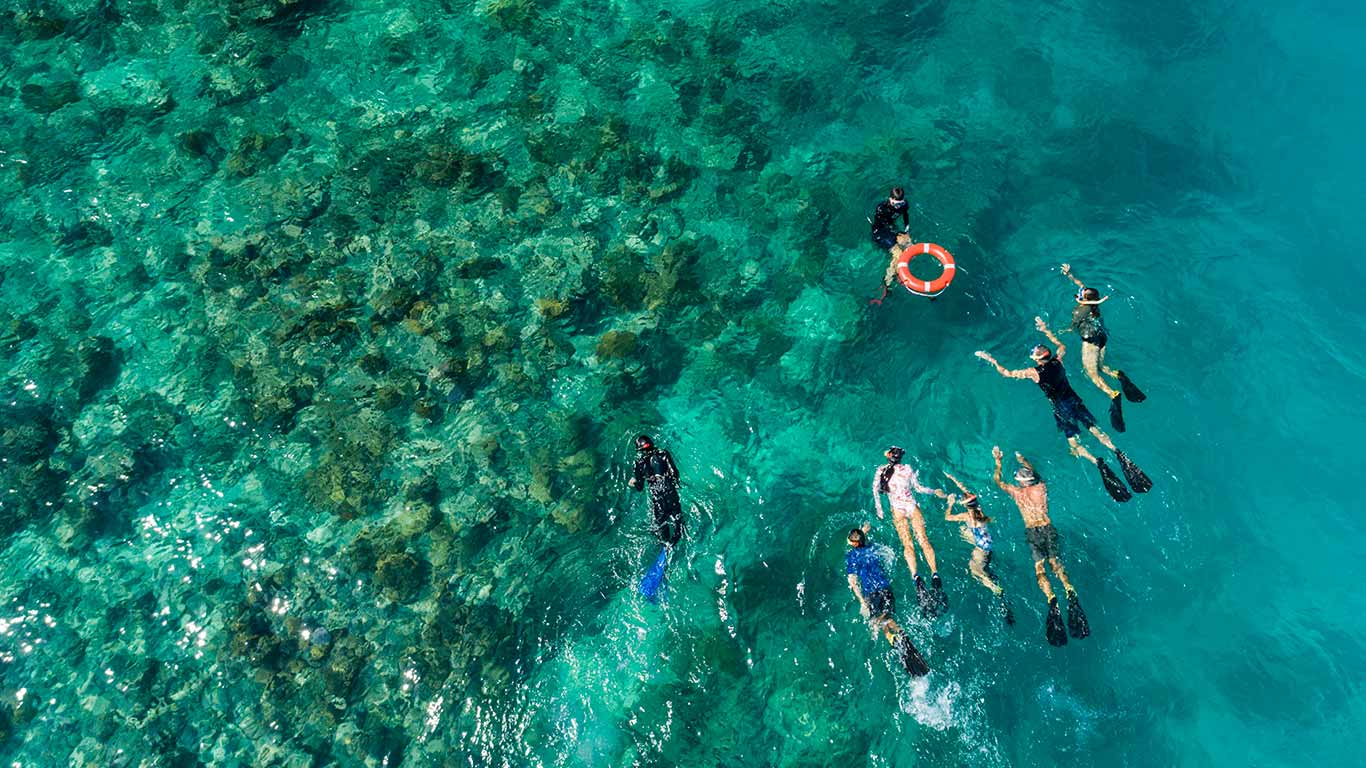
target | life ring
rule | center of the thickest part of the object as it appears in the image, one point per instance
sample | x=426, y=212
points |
x=925, y=287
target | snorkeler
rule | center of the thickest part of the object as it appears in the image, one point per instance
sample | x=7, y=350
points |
x=869, y=583
x=1086, y=321
x=655, y=469
x=885, y=233
x=1031, y=496
x=899, y=481
x=1071, y=413
x=976, y=533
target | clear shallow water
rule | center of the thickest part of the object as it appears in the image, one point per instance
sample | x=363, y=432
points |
x=339, y=316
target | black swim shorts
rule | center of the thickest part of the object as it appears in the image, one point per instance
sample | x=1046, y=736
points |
x=1043, y=541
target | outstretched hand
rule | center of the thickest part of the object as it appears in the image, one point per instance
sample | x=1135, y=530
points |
x=983, y=355
x=1067, y=269
x=1040, y=324
x=996, y=452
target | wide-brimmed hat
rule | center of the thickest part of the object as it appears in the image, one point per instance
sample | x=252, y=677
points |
x=1091, y=296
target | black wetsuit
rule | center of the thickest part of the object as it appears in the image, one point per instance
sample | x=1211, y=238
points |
x=655, y=470
x=884, y=221
x=1088, y=324
x=1069, y=411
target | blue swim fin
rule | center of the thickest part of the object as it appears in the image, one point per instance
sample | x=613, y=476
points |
x=652, y=584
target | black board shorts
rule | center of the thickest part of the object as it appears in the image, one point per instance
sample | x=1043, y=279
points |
x=1043, y=541
x=1072, y=416
x=881, y=604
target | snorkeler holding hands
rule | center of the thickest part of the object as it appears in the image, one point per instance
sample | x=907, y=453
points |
x=1031, y=496
x=1086, y=321
x=1071, y=414
x=900, y=482
x=976, y=533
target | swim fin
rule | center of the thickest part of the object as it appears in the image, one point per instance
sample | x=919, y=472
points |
x=1053, y=624
x=1137, y=479
x=1117, y=413
x=652, y=584
x=941, y=600
x=910, y=658
x=1007, y=615
x=929, y=606
x=1132, y=392
x=1112, y=482
x=1077, y=625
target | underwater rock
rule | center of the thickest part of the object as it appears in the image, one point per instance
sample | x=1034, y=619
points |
x=348, y=658
x=400, y=575
x=615, y=345
x=47, y=97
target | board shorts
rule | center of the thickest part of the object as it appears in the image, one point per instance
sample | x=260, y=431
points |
x=1043, y=541
x=1072, y=416
x=881, y=604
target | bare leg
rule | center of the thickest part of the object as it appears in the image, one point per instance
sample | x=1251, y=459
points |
x=1079, y=450
x=903, y=532
x=1060, y=573
x=891, y=628
x=1042, y=576
x=978, y=569
x=1100, y=363
x=918, y=524
x=1090, y=360
x=1103, y=438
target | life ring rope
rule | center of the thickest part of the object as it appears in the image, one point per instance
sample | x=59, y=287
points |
x=925, y=287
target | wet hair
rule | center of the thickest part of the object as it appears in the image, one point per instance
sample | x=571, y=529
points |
x=1047, y=353
x=885, y=474
x=644, y=443
x=857, y=537
x=1026, y=476
x=898, y=193
x=1089, y=294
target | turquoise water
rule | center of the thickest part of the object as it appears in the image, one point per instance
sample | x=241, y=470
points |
x=326, y=327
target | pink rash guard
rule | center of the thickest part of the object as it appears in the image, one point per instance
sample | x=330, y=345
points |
x=900, y=488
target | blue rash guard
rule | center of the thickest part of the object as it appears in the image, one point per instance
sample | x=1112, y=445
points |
x=866, y=563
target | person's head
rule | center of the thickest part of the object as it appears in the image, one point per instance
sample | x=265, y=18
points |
x=644, y=443
x=894, y=454
x=1091, y=297
x=898, y=194
x=857, y=538
x=1026, y=477
x=1041, y=354
x=975, y=508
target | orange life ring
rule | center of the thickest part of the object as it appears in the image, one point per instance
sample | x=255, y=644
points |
x=925, y=287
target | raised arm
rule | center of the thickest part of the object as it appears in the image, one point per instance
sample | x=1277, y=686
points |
x=1022, y=373
x=877, y=492
x=1067, y=271
x=1053, y=337
x=958, y=483
x=996, y=474
x=920, y=487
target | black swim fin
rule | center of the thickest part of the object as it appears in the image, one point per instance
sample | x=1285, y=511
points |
x=1007, y=615
x=910, y=658
x=1053, y=624
x=1131, y=391
x=1137, y=479
x=1077, y=625
x=1112, y=482
x=928, y=604
x=941, y=600
x=1117, y=413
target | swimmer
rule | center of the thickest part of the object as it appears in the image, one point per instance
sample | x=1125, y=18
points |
x=1071, y=414
x=976, y=533
x=655, y=470
x=1031, y=496
x=899, y=481
x=869, y=583
x=1086, y=321
x=885, y=234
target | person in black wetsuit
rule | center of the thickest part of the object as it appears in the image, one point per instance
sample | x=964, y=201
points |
x=655, y=470
x=885, y=232
x=1071, y=413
